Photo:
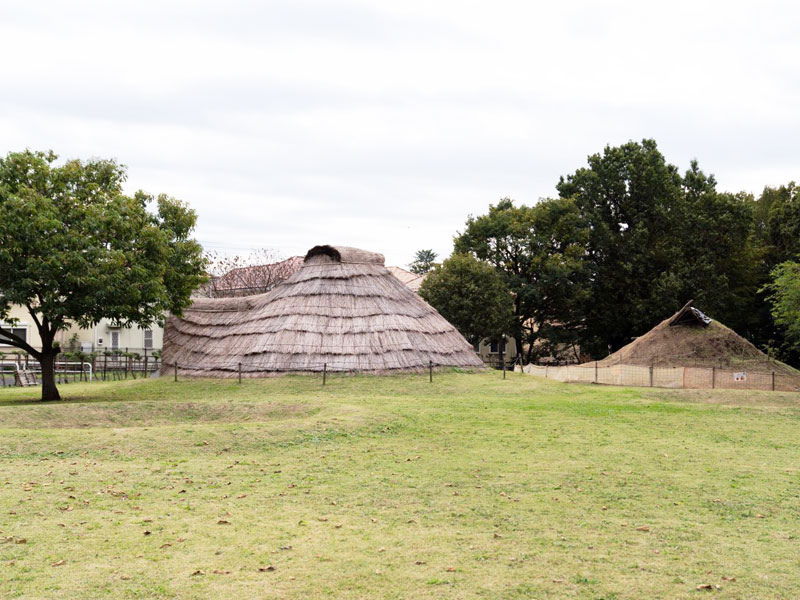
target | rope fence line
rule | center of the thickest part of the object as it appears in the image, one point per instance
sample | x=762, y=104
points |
x=324, y=369
x=689, y=377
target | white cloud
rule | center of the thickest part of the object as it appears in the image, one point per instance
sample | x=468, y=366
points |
x=384, y=124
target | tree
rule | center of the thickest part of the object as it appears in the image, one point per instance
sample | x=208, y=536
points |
x=256, y=273
x=785, y=297
x=471, y=295
x=539, y=251
x=424, y=261
x=75, y=249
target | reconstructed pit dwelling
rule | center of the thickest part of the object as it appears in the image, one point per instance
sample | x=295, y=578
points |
x=342, y=311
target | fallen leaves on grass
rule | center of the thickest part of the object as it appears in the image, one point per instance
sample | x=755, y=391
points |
x=643, y=528
x=59, y=563
x=198, y=572
x=223, y=522
x=268, y=568
x=707, y=586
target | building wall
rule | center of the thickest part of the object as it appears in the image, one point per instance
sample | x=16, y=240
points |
x=488, y=356
x=99, y=337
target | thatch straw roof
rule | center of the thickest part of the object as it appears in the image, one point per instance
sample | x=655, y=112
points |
x=690, y=339
x=342, y=309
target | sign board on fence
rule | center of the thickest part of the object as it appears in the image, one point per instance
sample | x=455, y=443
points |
x=740, y=376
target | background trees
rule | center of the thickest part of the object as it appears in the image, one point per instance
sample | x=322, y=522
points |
x=75, y=249
x=629, y=240
x=471, y=295
x=424, y=261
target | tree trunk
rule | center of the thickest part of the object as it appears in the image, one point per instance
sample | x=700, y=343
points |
x=48, y=360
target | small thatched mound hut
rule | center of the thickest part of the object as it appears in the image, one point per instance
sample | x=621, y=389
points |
x=690, y=338
x=342, y=311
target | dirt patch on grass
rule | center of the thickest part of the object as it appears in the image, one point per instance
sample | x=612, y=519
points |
x=145, y=414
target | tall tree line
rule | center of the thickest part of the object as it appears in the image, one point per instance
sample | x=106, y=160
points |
x=628, y=240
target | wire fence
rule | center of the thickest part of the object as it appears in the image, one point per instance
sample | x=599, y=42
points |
x=689, y=377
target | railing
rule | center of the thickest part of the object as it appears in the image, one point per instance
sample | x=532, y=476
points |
x=65, y=371
x=108, y=365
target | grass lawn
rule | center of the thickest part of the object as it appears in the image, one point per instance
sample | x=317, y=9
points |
x=470, y=487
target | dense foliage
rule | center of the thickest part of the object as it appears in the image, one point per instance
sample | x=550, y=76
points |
x=471, y=295
x=75, y=249
x=628, y=241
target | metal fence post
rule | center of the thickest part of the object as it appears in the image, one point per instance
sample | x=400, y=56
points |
x=651, y=375
x=324, y=372
x=240, y=373
x=430, y=371
x=105, y=364
x=713, y=377
x=176, y=370
x=773, y=381
x=595, y=371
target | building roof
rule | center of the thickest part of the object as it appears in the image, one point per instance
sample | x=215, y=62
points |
x=411, y=280
x=341, y=311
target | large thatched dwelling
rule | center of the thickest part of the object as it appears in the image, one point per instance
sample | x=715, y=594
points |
x=343, y=311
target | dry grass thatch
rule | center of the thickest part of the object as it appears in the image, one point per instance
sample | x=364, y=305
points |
x=690, y=342
x=342, y=310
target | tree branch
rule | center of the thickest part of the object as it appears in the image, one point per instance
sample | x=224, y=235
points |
x=17, y=342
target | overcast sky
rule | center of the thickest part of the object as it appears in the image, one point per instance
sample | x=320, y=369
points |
x=382, y=125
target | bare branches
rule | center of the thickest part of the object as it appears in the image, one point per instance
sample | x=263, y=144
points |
x=256, y=273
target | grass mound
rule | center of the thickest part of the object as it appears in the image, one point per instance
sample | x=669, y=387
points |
x=695, y=346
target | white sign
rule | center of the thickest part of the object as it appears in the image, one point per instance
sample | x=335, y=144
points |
x=741, y=376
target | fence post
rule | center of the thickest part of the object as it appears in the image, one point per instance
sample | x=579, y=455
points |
x=773, y=381
x=430, y=371
x=127, y=358
x=595, y=371
x=651, y=375
x=145, y=362
x=324, y=372
x=105, y=364
x=240, y=373
x=545, y=371
x=176, y=370
x=713, y=377
x=81, y=374
x=504, y=369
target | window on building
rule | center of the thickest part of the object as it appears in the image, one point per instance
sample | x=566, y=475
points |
x=115, y=340
x=148, y=339
x=20, y=332
x=496, y=347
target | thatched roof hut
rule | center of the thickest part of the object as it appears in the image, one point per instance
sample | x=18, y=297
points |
x=342, y=309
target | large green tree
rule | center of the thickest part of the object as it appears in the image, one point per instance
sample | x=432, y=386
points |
x=540, y=251
x=658, y=239
x=785, y=298
x=75, y=249
x=776, y=242
x=470, y=294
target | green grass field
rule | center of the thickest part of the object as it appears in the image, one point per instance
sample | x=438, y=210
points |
x=470, y=487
